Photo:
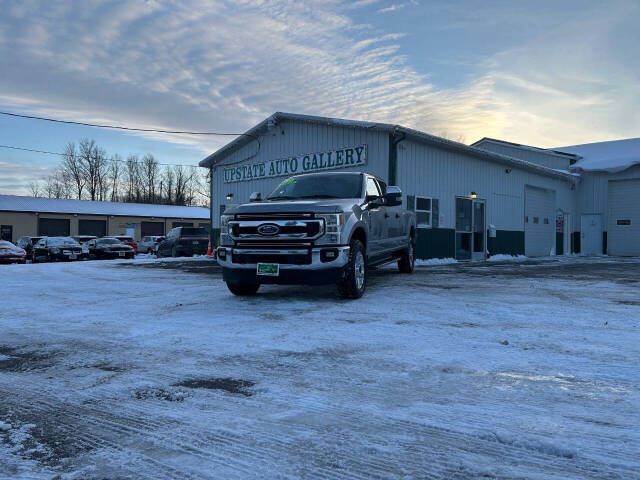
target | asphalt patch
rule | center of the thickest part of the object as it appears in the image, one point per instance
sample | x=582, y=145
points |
x=159, y=394
x=634, y=303
x=18, y=361
x=230, y=385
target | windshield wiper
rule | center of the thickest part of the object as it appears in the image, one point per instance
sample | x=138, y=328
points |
x=318, y=196
x=281, y=197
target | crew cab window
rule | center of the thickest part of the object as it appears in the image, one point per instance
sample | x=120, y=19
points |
x=382, y=186
x=372, y=188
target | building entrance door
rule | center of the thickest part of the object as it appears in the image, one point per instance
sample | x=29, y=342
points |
x=591, y=234
x=471, y=235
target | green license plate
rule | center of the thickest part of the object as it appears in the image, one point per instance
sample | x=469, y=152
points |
x=272, y=269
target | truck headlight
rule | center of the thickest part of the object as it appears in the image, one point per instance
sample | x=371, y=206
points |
x=225, y=239
x=332, y=227
x=224, y=224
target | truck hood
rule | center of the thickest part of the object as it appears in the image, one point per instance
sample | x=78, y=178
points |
x=325, y=205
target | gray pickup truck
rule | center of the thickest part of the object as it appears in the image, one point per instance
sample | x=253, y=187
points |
x=316, y=228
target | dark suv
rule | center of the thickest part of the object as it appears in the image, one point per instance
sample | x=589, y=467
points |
x=184, y=241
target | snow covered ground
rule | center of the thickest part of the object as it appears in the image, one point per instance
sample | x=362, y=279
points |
x=151, y=369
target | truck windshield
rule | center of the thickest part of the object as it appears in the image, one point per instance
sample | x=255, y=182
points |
x=337, y=185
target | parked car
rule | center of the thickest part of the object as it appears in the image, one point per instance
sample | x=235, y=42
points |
x=27, y=244
x=316, y=228
x=107, y=248
x=53, y=249
x=83, y=240
x=150, y=243
x=126, y=240
x=184, y=241
x=9, y=253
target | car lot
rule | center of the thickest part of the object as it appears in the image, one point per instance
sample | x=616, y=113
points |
x=152, y=369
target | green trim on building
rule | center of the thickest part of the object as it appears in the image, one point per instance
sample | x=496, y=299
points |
x=559, y=243
x=508, y=242
x=215, y=236
x=435, y=243
x=393, y=160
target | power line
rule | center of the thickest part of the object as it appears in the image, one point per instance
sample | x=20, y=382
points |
x=116, y=127
x=111, y=159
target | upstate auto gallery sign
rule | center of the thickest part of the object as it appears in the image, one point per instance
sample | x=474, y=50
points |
x=310, y=162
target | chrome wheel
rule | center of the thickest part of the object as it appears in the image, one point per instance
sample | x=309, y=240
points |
x=359, y=269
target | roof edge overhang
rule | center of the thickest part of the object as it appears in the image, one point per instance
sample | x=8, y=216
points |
x=218, y=156
x=556, y=153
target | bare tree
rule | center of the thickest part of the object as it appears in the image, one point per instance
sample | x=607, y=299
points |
x=94, y=166
x=133, y=179
x=114, y=176
x=72, y=167
x=35, y=188
x=150, y=172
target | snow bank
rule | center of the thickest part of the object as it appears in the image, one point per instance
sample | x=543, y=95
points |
x=436, y=261
x=507, y=258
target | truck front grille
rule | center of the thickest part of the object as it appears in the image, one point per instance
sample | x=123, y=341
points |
x=274, y=227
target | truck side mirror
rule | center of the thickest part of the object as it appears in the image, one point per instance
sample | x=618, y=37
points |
x=394, y=196
x=255, y=197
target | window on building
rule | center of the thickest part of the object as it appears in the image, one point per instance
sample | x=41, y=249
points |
x=423, y=211
x=536, y=220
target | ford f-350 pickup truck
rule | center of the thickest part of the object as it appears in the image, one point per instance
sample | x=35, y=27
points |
x=316, y=228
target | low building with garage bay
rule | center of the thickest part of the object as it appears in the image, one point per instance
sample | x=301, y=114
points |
x=31, y=216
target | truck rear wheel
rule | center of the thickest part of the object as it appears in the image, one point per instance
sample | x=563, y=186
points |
x=354, y=280
x=243, y=289
x=408, y=259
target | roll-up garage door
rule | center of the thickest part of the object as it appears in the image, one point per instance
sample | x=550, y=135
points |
x=53, y=227
x=539, y=223
x=151, y=228
x=97, y=228
x=623, y=225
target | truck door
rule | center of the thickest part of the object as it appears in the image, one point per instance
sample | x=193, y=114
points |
x=377, y=221
x=395, y=231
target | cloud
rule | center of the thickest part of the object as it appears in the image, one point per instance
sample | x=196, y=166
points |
x=392, y=8
x=224, y=66
x=14, y=177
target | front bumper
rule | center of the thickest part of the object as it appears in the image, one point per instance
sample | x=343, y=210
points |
x=315, y=272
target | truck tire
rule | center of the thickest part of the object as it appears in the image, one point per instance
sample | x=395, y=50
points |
x=243, y=289
x=408, y=259
x=354, y=280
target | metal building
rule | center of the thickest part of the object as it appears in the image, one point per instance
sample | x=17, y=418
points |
x=606, y=218
x=469, y=202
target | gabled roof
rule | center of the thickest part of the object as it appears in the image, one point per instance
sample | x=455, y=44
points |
x=611, y=156
x=398, y=130
x=15, y=203
x=558, y=153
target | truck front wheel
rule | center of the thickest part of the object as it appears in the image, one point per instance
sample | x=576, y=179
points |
x=354, y=280
x=243, y=289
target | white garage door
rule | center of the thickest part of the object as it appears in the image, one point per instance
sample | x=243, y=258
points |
x=539, y=223
x=623, y=232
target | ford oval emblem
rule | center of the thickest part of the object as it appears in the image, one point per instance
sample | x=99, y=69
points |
x=268, y=229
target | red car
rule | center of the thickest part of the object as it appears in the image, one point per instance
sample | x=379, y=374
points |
x=9, y=253
x=126, y=240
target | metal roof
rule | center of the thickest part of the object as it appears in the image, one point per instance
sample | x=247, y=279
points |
x=528, y=147
x=257, y=131
x=15, y=203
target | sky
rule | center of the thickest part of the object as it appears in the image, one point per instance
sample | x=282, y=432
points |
x=544, y=73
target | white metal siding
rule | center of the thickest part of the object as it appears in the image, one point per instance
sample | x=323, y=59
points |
x=435, y=172
x=624, y=240
x=295, y=138
x=539, y=227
